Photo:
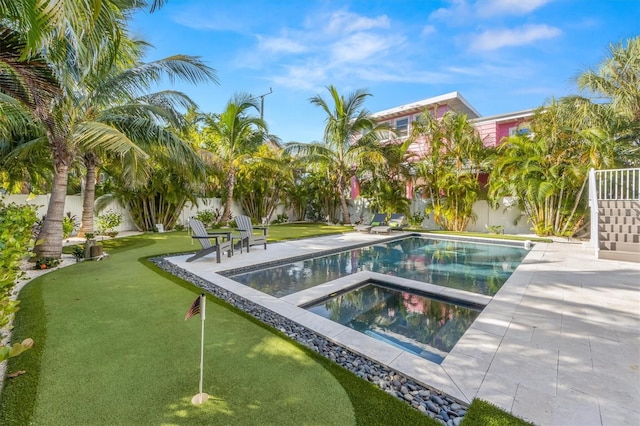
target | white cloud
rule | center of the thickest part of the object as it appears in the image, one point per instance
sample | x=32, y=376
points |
x=280, y=45
x=428, y=29
x=508, y=7
x=309, y=77
x=457, y=13
x=376, y=74
x=346, y=22
x=490, y=71
x=496, y=39
x=465, y=11
x=361, y=46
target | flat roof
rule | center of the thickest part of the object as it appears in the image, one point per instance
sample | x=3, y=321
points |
x=505, y=117
x=454, y=99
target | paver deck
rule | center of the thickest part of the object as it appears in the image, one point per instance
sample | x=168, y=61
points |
x=559, y=344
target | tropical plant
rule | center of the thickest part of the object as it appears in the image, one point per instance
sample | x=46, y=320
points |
x=547, y=173
x=351, y=137
x=233, y=136
x=68, y=107
x=449, y=172
x=261, y=182
x=16, y=243
x=109, y=221
x=616, y=79
x=127, y=121
x=209, y=217
x=69, y=225
x=323, y=202
x=385, y=184
x=162, y=197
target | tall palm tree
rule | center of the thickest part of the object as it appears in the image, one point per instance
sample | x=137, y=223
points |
x=68, y=26
x=351, y=137
x=617, y=79
x=66, y=115
x=128, y=122
x=233, y=135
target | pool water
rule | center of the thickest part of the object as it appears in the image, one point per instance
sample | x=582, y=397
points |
x=475, y=267
x=417, y=324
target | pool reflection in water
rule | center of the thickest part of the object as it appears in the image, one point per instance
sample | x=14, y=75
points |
x=417, y=324
x=475, y=267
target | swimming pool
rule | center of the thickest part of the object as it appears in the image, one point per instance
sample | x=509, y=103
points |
x=416, y=323
x=471, y=266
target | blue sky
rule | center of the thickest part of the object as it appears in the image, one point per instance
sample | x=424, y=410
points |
x=501, y=55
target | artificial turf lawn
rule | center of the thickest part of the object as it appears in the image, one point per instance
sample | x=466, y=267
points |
x=112, y=348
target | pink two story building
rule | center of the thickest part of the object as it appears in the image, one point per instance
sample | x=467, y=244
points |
x=491, y=129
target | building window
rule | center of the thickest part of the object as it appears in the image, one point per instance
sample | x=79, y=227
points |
x=402, y=127
x=519, y=131
x=386, y=134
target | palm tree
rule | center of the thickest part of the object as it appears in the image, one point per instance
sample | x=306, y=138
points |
x=262, y=181
x=449, y=173
x=233, y=135
x=616, y=79
x=66, y=28
x=351, y=137
x=127, y=123
x=548, y=172
x=385, y=185
x=62, y=114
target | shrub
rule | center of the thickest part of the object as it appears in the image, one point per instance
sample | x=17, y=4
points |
x=495, y=229
x=209, y=217
x=416, y=219
x=281, y=218
x=16, y=241
x=108, y=221
x=78, y=252
x=69, y=225
x=46, y=263
x=179, y=227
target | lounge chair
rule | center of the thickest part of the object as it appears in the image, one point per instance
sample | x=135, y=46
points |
x=396, y=223
x=210, y=241
x=247, y=237
x=378, y=219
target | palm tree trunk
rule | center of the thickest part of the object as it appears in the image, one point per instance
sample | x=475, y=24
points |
x=89, y=194
x=346, y=217
x=50, y=237
x=231, y=183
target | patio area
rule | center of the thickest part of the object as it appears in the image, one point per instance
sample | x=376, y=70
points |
x=558, y=345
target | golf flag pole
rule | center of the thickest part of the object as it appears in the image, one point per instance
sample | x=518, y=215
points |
x=202, y=316
x=199, y=307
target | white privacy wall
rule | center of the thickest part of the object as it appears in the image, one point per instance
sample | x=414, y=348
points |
x=486, y=216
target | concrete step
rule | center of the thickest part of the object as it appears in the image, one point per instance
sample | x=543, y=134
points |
x=619, y=212
x=619, y=229
x=619, y=220
x=624, y=256
x=619, y=204
x=619, y=246
x=619, y=237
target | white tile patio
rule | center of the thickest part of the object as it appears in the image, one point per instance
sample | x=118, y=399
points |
x=558, y=345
